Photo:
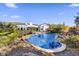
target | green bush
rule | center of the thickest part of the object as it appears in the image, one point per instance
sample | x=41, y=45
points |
x=4, y=33
x=58, y=28
x=1, y=30
x=72, y=41
x=5, y=40
x=8, y=35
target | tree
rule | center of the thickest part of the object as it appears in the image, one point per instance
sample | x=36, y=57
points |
x=77, y=19
x=55, y=28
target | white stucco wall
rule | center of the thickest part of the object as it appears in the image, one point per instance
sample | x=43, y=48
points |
x=23, y=27
x=44, y=27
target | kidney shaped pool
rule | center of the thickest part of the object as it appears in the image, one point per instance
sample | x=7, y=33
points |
x=48, y=41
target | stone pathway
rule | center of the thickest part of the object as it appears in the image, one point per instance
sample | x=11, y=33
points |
x=29, y=54
x=68, y=52
x=20, y=51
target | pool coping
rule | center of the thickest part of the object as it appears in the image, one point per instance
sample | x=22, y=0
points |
x=59, y=49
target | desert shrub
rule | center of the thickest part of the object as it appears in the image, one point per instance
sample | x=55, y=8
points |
x=8, y=34
x=5, y=40
x=60, y=28
x=72, y=41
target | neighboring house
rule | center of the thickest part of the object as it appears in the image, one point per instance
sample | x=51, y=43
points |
x=22, y=27
x=26, y=26
x=43, y=27
x=31, y=25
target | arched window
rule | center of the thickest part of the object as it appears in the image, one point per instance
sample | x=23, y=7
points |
x=21, y=28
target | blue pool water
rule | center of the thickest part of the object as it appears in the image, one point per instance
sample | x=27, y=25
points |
x=48, y=41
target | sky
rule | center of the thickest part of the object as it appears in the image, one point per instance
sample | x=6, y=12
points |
x=38, y=13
